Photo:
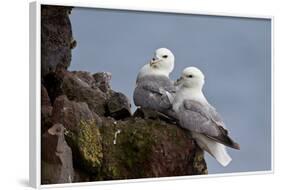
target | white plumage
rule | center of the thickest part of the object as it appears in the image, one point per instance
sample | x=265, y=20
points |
x=154, y=89
x=197, y=115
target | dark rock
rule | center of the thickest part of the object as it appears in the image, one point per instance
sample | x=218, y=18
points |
x=147, y=113
x=77, y=86
x=71, y=113
x=118, y=106
x=73, y=44
x=57, y=164
x=198, y=164
x=82, y=132
x=45, y=100
x=76, y=89
x=56, y=38
x=46, y=110
x=81, y=176
x=52, y=81
x=103, y=81
x=86, y=77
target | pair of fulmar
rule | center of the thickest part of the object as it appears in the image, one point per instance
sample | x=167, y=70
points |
x=183, y=101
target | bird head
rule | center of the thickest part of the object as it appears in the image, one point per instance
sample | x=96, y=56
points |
x=191, y=77
x=163, y=61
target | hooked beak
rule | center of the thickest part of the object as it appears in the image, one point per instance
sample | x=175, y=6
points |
x=178, y=82
x=154, y=61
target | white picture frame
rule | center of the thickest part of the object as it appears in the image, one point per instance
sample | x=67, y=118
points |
x=35, y=94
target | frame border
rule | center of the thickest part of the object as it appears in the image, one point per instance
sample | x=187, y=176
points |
x=34, y=94
x=35, y=91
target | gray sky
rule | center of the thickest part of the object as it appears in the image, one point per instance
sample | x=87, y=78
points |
x=233, y=53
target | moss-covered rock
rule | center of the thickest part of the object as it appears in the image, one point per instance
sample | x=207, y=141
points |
x=138, y=148
x=199, y=165
x=126, y=149
x=81, y=130
x=87, y=147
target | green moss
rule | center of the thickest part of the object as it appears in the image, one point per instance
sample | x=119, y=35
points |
x=114, y=171
x=135, y=147
x=141, y=148
x=128, y=157
x=199, y=164
x=87, y=147
x=89, y=142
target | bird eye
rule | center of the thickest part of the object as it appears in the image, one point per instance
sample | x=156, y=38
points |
x=189, y=76
x=165, y=56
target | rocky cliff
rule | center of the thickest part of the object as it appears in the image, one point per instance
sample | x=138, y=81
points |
x=88, y=130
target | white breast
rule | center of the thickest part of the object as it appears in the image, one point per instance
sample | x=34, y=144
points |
x=188, y=94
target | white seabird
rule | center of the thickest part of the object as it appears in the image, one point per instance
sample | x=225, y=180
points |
x=154, y=89
x=197, y=115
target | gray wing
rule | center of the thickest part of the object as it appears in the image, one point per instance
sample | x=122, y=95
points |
x=205, y=120
x=155, y=92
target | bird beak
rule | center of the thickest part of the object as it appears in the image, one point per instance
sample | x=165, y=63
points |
x=178, y=82
x=154, y=61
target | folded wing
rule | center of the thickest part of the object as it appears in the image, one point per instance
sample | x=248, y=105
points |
x=155, y=92
x=205, y=120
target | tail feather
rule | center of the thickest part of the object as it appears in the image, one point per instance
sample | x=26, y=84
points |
x=220, y=154
x=215, y=149
x=225, y=139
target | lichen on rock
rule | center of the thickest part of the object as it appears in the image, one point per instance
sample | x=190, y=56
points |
x=86, y=144
x=126, y=157
x=199, y=164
